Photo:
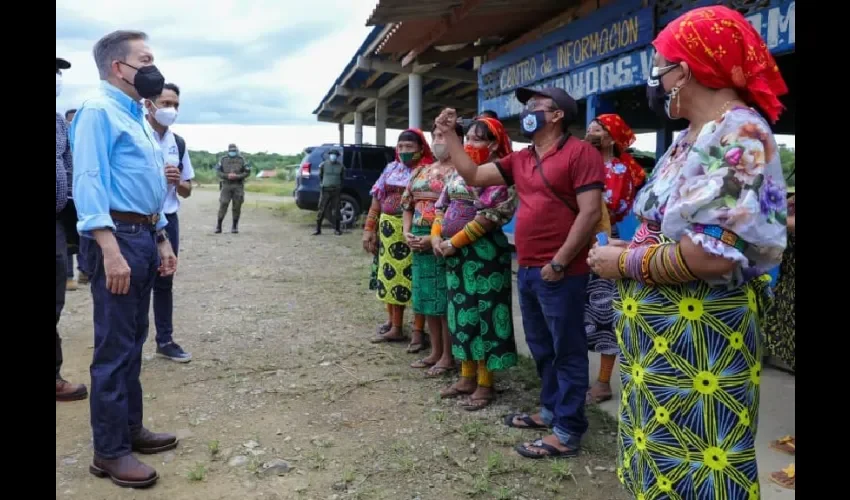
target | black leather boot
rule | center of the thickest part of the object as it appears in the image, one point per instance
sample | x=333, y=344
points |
x=318, y=229
x=338, y=231
x=235, y=228
x=218, y=227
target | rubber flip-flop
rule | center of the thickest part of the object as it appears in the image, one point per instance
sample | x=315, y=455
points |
x=787, y=444
x=526, y=419
x=452, y=392
x=438, y=371
x=385, y=340
x=551, y=451
x=476, y=404
x=415, y=348
x=421, y=363
x=787, y=477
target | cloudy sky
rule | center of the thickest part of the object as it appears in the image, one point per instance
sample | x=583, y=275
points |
x=250, y=72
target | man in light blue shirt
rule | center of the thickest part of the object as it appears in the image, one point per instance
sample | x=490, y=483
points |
x=119, y=189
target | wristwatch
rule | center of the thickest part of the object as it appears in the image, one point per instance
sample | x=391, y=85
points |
x=161, y=236
x=558, y=268
x=449, y=243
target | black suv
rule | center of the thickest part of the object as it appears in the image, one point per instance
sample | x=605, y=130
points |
x=363, y=166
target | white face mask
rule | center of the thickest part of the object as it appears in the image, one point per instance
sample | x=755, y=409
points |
x=165, y=116
x=58, y=84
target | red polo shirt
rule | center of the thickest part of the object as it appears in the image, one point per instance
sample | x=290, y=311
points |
x=543, y=220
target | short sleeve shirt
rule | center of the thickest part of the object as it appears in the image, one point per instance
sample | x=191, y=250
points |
x=543, y=220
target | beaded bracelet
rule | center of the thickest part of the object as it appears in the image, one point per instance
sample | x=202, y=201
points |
x=621, y=264
x=661, y=264
x=437, y=227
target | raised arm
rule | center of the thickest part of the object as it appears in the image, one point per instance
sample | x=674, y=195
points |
x=484, y=175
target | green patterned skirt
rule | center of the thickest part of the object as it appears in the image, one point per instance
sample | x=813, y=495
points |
x=429, y=279
x=480, y=312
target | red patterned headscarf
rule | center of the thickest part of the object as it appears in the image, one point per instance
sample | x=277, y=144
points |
x=724, y=51
x=427, y=155
x=623, y=137
x=497, y=129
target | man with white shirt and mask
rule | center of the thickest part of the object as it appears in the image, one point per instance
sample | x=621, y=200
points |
x=161, y=114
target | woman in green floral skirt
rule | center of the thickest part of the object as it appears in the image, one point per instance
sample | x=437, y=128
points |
x=468, y=232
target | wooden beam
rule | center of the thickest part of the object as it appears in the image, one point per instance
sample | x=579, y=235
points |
x=460, y=75
x=434, y=56
x=446, y=23
x=364, y=93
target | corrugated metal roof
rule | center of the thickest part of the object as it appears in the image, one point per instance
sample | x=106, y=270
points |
x=392, y=11
x=491, y=18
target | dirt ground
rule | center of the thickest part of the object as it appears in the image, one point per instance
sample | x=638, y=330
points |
x=278, y=324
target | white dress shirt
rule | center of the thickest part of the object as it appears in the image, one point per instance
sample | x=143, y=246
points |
x=169, y=152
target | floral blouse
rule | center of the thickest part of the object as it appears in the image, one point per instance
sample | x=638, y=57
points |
x=619, y=190
x=459, y=204
x=423, y=191
x=390, y=186
x=726, y=192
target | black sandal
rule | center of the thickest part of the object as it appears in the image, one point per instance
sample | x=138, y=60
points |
x=417, y=347
x=551, y=451
x=526, y=419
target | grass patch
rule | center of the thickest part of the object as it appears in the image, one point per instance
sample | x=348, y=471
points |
x=197, y=473
x=214, y=448
x=270, y=186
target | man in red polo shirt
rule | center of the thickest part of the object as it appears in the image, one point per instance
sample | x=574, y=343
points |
x=559, y=180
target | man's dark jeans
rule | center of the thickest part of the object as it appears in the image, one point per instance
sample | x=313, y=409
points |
x=163, y=298
x=120, y=329
x=61, y=282
x=553, y=320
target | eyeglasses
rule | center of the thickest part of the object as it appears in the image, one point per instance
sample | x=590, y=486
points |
x=656, y=73
x=532, y=104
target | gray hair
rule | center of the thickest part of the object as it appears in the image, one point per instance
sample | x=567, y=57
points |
x=114, y=47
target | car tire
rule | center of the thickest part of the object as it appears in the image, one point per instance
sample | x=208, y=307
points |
x=349, y=210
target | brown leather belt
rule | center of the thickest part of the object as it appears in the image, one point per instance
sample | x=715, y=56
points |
x=133, y=218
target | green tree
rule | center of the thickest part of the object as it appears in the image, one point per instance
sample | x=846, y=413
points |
x=788, y=159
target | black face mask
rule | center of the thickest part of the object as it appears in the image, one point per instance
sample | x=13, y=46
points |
x=657, y=99
x=148, y=81
x=531, y=122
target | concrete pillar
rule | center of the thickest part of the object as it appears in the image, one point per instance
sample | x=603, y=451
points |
x=663, y=140
x=414, y=105
x=592, y=104
x=381, y=122
x=341, y=133
x=358, y=128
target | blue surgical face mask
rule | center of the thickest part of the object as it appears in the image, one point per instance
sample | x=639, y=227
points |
x=332, y=157
x=231, y=154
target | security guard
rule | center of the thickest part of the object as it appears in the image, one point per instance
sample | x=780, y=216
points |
x=331, y=174
x=232, y=170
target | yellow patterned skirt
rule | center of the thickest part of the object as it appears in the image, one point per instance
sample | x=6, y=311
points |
x=395, y=262
x=690, y=364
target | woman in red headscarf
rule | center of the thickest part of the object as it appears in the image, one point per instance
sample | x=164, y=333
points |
x=468, y=232
x=389, y=244
x=690, y=290
x=610, y=134
x=429, y=269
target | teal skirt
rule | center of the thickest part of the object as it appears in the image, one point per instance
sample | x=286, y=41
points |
x=429, y=280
